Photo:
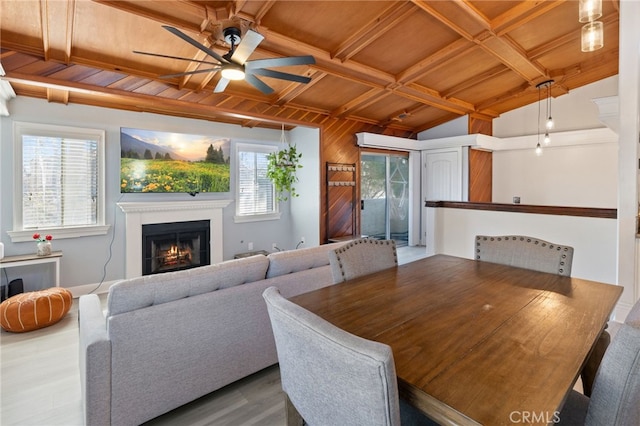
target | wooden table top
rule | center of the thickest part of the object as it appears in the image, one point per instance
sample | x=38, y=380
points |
x=474, y=342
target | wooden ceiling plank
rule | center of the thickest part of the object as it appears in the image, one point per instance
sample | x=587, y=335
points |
x=294, y=90
x=520, y=14
x=364, y=100
x=432, y=62
x=426, y=96
x=477, y=79
x=422, y=4
x=371, y=31
x=137, y=9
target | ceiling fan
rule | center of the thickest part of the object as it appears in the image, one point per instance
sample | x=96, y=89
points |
x=234, y=64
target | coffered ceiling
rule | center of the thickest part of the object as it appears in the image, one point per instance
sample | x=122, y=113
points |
x=401, y=65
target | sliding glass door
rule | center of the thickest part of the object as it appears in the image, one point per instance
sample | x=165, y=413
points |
x=384, y=197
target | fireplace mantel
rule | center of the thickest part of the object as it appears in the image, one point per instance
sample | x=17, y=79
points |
x=143, y=213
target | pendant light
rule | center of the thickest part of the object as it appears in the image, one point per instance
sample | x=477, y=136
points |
x=589, y=10
x=592, y=33
x=592, y=37
x=549, y=122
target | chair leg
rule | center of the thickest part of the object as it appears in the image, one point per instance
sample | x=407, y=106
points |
x=590, y=369
x=293, y=417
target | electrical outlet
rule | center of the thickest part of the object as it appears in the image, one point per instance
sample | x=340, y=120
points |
x=250, y=246
x=274, y=246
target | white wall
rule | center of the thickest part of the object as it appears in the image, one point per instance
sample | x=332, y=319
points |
x=85, y=258
x=577, y=176
x=572, y=111
x=594, y=239
x=305, y=209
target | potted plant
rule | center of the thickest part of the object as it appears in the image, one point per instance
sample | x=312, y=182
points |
x=281, y=170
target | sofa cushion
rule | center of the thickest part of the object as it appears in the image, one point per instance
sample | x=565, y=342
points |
x=148, y=290
x=290, y=261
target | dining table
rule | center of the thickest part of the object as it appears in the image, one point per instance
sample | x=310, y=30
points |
x=475, y=342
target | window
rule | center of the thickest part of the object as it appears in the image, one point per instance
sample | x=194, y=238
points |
x=58, y=181
x=255, y=195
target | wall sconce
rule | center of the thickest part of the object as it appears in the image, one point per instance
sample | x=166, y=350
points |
x=549, y=123
x=592, y=36
x=589, y=10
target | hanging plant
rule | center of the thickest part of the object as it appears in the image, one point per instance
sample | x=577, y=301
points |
x=281, y=170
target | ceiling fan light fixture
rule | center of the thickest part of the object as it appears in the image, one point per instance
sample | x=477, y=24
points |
x=589, y=10
x=592, y=36
x=232, y=72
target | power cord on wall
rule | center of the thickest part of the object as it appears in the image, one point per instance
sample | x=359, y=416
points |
x=113, y=237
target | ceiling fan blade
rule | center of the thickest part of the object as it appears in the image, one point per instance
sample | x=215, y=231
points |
x=249, y=42
x=159, y=55
x=281, y=75
x=279, y=62
x=255, y=81
x=195, y=43
x=222, y=84
x=180, y=74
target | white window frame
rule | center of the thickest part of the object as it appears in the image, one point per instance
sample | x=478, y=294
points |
x=19, y=234
x=261, y=148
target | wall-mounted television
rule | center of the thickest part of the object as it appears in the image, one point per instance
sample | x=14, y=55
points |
x=152, y=161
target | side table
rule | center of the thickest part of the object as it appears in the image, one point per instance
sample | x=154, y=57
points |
x=32, y=259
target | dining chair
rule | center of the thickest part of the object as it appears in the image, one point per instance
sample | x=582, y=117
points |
x=330, y=376
x=633, y=317
x=362, y=256
x=533, y=253
x=615, y=400
x=525, y=252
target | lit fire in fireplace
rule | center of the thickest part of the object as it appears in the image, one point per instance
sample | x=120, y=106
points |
x=175, y=255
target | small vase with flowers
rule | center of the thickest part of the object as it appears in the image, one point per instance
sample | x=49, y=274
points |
x=43, y=244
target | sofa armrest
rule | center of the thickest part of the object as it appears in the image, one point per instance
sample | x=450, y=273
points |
x=95, y=361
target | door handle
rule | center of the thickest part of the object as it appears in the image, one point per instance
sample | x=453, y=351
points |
x=361, y=204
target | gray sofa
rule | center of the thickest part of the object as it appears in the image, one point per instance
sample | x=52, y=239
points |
x=170, y=338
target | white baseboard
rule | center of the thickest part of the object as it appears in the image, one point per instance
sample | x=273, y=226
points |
x=97, y=288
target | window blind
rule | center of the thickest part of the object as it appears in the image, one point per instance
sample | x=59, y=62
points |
x=59, y=181
x=255, y=190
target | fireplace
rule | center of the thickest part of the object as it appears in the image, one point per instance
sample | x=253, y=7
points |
x=138, y=214
x=175, y=246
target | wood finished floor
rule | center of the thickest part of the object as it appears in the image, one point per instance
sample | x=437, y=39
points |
x=40, y=382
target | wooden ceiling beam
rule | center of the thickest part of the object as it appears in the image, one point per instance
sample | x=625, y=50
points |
x=142, y=101
x=57, y=95
x=374, y=29
x=502, y=48
x=56, y=18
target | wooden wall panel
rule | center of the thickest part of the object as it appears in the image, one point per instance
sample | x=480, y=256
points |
x=481, y=125
x=480, y=176
x=338, y=145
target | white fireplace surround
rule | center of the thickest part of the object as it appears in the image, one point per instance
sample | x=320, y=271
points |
x=143, y=213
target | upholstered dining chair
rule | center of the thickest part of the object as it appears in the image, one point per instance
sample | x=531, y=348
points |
x=615, y=400
x=525, y=252
x=330, y=376
x=362, y=257
x=533, y=253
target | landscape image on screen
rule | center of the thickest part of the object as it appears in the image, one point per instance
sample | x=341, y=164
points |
x=153, y=161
